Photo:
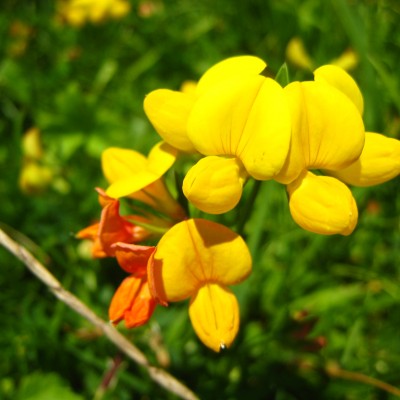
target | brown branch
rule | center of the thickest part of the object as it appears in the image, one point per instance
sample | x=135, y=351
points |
x=159, y=375
x=333, y=370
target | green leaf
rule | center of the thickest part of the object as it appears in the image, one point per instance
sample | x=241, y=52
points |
x=282, y=77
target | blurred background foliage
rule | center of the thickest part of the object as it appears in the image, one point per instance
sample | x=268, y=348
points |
x=313, y=304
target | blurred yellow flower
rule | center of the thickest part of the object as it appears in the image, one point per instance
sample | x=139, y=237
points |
x=78, y=12
x=212, y=258
x=297, y=55
x=34, y=177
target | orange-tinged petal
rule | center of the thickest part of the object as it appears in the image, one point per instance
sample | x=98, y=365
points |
x=327, y=130
x=214, y=313
x=215, y=184
x=340, y=79
x=113, y=228
x=123, y=298
x=233, y=68
x=168, y=111
x=249, y=119
x=92, y=233
x=195, y=252
x=142, y=308
x=133, y=258
x=132, y=302
x=379, y=162
x=322, y=204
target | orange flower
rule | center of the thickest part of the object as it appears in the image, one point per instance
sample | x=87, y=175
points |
x=112, y=228
x=132, y=302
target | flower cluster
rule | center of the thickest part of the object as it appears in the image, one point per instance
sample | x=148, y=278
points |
x=78, y=12
x=239, y=124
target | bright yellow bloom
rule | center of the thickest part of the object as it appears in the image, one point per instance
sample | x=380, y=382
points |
x=380, y=157
x=327, y=133
x=212, y=258
x=245, y=124
x=169, y=110
x=77, y=12
x=234, y=114
x=132, y=174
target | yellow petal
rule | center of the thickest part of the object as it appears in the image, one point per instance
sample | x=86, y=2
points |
x=195, y=252
x=168, y=111
x=129, y=171
x=214, y=313
x=347, y=60
x=322, y=204
x=118, y=164
x=214, y=185
x=340, y=79
x=327, y=130
x=378, y=163
x=248, y=119
x=233, y=68
x=32, y=144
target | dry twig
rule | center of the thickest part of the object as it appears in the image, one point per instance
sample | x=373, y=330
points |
x=159, y=375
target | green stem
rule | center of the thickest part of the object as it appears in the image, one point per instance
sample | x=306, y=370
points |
x=248, y=207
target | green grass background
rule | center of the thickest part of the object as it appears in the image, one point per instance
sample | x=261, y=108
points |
x=84, y=88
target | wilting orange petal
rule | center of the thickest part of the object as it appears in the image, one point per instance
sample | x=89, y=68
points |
x=133, y=258
x=132, y=302
x=113, y=228
x=92, y=233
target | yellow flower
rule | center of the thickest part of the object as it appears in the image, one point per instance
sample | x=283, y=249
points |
x=238, y=117
x=77, y=12
x=245, y=125
x=212, y=258
x=297, y=54
x=380, y=157
x=35, y=178
x=132, y=174
x=328, y=134
x=169, y=110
